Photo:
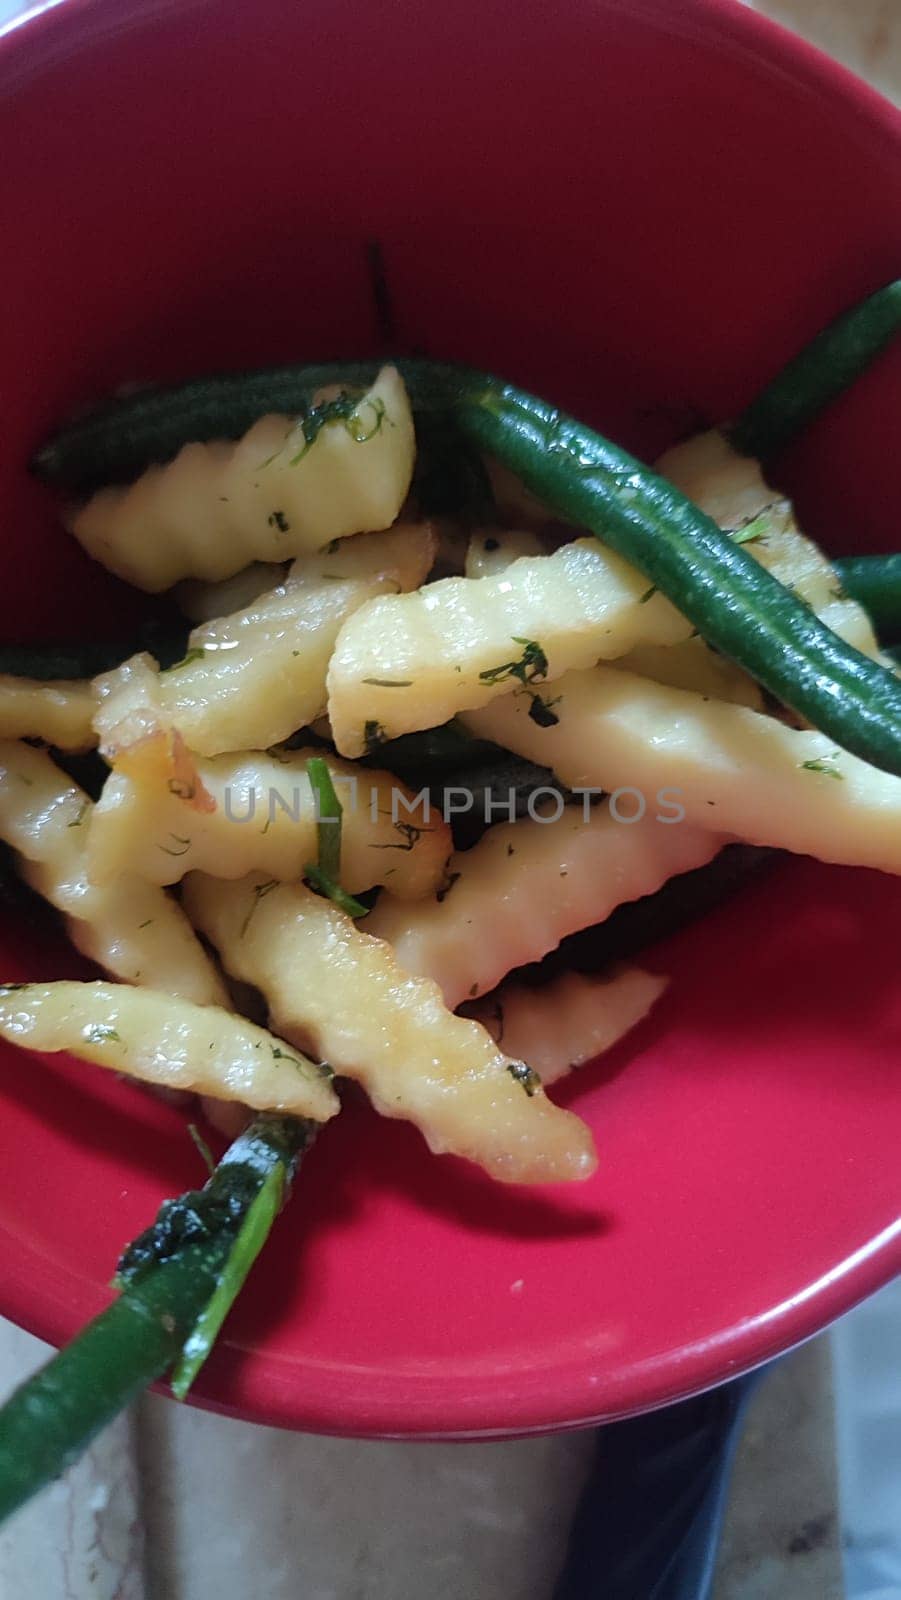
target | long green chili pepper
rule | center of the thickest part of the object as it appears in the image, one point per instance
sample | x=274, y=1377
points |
x=733, y=601
x=821, y=371
x=875, y=582
x=178, y=1279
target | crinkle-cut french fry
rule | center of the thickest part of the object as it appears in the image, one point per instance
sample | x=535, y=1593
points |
x=492, y=550
x=527, y=884
x=406, y=662
x=342, y=995
x=204, y=602
x=693, y=665
x=261, y=815
x=133, y=929
x=732, y=489
x=571, y=1020
x=268, y=497
x=252, y=679
x=169, y=1042
x=742, y=773
x=58, y=711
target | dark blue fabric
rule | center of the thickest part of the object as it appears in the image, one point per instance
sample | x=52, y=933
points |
x=649, y=1521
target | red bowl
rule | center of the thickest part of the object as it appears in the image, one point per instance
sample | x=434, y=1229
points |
x=639, y=209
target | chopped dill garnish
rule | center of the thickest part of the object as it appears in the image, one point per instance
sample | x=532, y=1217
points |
x=196, y=653
x=409, y=833
x=285, y=1055
x=184, y=846
x=329, y=813
x=323, y=875
x=344, y=409
x=206, y=1154
x=333, y=891
x=540, y=711
x=822, y=765
x=753, y=528
x=260, y=892
x=373, y=735
x=532, y=664
x=446, y=887
x=524, y=1075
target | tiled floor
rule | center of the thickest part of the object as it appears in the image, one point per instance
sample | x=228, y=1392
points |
x=173, y=1504
x=782, y=1537
x=864, y=34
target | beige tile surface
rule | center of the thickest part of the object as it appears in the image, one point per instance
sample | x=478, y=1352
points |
x=863, y=34
x=83, y=1538
x=331, y=1519
x=781, y=1540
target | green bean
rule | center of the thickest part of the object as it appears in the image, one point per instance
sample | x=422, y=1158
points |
x=875, y=582
x=821, y=371
x=53, y=1417
x=179, y=1279
x=733, y=601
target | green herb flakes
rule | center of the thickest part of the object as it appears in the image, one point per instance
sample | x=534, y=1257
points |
x=260, y=892
x=346, y=411
x=520, y=1073
x=206, y=1154
x=196, y=653
x=541, y=711
x=179, y=847
x=446, y=887
x=531, y=665
x=99, y=1033
x=373, y=735
x=822, y=765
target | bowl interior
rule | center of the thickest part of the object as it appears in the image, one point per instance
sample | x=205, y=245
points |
x=639, y=210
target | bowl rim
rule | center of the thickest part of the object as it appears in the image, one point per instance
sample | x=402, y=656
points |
x=549, y=1397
